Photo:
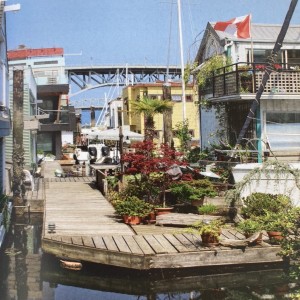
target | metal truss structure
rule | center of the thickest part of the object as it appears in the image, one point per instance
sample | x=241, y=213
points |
x=91, y=77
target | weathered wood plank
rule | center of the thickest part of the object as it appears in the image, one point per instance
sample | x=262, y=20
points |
x=216, y=258
x=99, y=243
x=87, y=241
x=132, y=244
x=187, y=243
x=155, y=245
x=66, y=239
x=121, y=244
x=77, y=240
x=176, y=243
x=110, y=243
x=229, y=234
x=56, y=238
x=165, y=243
x=143, y=244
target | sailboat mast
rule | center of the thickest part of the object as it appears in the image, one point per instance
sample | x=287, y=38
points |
x=181, y=59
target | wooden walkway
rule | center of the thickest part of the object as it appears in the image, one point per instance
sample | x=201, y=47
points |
x=87, y=229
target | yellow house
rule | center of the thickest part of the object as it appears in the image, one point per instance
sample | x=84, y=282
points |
x=155, y=91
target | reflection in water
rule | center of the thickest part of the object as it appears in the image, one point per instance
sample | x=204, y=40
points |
x=26, y=274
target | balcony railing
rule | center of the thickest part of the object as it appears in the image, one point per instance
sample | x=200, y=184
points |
x=243, y=78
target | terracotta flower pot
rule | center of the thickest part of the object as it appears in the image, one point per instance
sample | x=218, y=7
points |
x=134, y=220
x=209, y=239
x=150, y=219
x=275, y=235
x=163, y=210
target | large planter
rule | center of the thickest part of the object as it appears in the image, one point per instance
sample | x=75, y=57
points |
x=197, y=203
x=271, y=184
x=163, y=210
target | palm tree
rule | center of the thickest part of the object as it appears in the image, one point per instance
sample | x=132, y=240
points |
x=149, y=108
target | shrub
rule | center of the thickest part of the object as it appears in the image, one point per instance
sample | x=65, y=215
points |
x=133, y=206
x=186, y=191
x=207, y=209
x=258, y=204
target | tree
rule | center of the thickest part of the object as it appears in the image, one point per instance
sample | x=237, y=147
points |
x=182, y=133
x=149, y=165
x=149, y=108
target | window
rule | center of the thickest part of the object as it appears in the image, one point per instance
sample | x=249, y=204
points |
x=261, y=55
x=176, y=98
x=49, y=62
x=293, y=56
x=189, y=98
x=283, y=130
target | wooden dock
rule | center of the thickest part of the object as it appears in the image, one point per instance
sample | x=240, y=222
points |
x=87, y=229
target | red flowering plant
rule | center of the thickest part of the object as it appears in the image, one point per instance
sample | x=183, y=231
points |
x=149, y=166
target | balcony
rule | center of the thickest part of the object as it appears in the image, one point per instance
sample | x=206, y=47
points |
x=59, y=120
x=242, y=78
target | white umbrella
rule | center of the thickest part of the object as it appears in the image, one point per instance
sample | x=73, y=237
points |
x=112, y=134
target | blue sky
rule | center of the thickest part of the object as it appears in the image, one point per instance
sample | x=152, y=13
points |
x=127, y=31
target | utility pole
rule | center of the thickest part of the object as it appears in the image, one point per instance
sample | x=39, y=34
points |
x=181, y=59
x=18, y=151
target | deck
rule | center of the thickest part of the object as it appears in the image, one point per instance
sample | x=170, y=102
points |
x=87, y=229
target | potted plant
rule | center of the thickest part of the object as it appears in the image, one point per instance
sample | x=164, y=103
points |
x=251, y=226
x=193, y=192
x=279, y=224
x=210, y=231
x=132, y=209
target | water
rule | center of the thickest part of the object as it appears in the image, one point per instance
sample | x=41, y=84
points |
x=25, y=273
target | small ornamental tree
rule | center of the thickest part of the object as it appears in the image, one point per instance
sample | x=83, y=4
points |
x=149, y=164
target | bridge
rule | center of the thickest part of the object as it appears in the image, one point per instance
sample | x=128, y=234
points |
x=90, y=77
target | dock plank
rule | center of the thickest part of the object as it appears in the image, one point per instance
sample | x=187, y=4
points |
x=186, y=242
x=176, y=243
x=110, y=243
x=143, y=244
x=121, y=244
x=77, y=240
x=132, y=244
x=165, y=243
x=88, y=241
x=99, y=243
x=155, y=245
x=66, y=239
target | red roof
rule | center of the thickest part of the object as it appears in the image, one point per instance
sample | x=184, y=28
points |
x=25, y=53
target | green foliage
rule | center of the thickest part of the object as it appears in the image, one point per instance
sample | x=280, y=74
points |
x=250, y=226
x=202, y=227
x=133, y=206
x=4, y=200
x=258, y=204
x=143, y=187
x=206, y=71
x=283, y=221
x=186, y=191
x=207, y=209
x=182, y=133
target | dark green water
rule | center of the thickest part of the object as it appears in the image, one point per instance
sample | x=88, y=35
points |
x=25, y=273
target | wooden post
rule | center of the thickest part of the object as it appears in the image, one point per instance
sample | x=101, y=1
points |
x=93, y=121
x=167, y=117
x=18, y=151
